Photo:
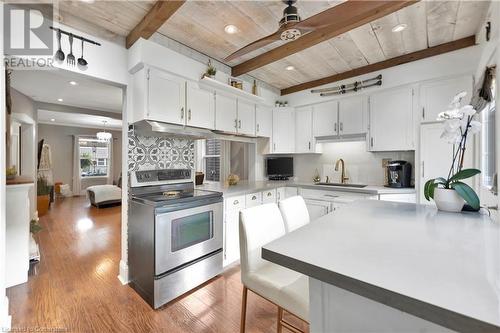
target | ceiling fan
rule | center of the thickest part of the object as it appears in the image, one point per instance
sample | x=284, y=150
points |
x=291, y=27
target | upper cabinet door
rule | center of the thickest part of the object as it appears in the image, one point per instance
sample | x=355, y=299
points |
x=166, y=97
x=283, y=140
x=200, y=106
x=246, y=118
x=391, y=120
x=264, y=121
x=436, y=96
x=325, y=119
x=352, y=116
x=303, y=136
x=226, y=113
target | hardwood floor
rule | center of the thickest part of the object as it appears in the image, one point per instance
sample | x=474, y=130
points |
x=76, y=288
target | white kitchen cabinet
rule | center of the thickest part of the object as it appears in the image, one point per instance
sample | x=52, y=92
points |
x=352, y=116
x=226, y=113
x=264, y=121
x=165, y=96
x=280, y=194
x=317, y=208
x=304, y=140
x=325, y=119
x=269, y=196
x=435, y=96
x=391, y=120
x=283, y=139
x=231, y=237
x=246, y=118
x=200, y=106
x=436, y=157
x=291, y=192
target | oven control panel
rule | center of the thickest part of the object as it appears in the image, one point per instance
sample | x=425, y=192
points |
x=167, y=175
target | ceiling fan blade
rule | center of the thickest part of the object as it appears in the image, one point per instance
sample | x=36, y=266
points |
x=317, y=21
x=254, y=46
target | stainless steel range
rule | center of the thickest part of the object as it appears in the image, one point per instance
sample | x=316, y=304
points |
x=175, y=234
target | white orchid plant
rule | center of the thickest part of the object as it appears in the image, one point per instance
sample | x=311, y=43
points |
x=458, y=123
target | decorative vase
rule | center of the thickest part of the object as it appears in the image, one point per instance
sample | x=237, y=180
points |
x=42, y=204
x=448, y=200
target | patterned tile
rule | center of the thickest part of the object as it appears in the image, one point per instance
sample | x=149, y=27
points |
x=147, y=153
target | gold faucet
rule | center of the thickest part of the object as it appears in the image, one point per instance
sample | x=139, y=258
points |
x=343, y=178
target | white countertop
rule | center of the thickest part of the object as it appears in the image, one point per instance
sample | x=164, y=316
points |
x=442, y=267
x=246, y=187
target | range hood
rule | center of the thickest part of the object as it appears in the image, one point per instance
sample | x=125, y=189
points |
x=149, y=127
x=156, y=128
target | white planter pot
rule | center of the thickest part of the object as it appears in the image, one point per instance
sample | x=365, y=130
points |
x=448, y=200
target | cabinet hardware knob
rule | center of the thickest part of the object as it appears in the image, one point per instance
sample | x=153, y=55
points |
x=182, y=112
x=341, y=126
x=269, y=194
x=235, y=202
x=371, y=141
x=309, y=145
x=258, y=128
x=236, y=123
x=239, y=123
x=254, y=197
x=335, y=127
x=189, y=114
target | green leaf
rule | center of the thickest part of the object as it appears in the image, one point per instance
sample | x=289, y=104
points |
x=464, y=174
x=441, y=180
x=426, y=189
x=431, y=190
x=467, y=193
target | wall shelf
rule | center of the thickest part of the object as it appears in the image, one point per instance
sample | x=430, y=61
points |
x=209, y=83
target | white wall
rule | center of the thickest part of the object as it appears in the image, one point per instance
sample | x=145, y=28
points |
x=60, y=139
x=4, y=302
x=462, y=61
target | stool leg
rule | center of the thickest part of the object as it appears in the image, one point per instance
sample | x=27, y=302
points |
x=243, y=309
x=280, y=319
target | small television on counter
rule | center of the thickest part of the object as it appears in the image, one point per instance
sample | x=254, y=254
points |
x=279, y=168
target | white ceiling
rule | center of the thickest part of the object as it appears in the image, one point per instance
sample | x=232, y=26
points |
x=50, y=85
x=78, y=120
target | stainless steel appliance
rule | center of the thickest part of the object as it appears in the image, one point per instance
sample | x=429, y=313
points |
x=175, y=234
x=399, y=174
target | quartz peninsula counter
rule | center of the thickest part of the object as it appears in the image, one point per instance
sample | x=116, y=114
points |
x=392, y=267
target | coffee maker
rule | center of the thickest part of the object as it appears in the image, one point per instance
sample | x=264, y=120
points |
x=399, y=174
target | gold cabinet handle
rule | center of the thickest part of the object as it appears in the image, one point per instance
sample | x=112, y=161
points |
x=254, y=197
x=269, y=194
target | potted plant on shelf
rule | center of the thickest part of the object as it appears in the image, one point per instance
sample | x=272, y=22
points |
x=211, y=70
x=43, y=196
x=451, y=193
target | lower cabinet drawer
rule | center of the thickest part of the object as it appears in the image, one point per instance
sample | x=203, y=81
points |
x=234, y=203
x=253, y=199
x=268, y=196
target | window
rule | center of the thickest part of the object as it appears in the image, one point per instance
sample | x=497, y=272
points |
x=211, y=157
x=488, y=145
x=94, y=156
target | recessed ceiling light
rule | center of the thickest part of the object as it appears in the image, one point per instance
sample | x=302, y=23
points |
x=73, y=83
x=289, y=68
x=399, y=27
x=230, y=29
x=52, y=120
x=59, y=99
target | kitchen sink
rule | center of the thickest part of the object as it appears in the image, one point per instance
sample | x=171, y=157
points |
x=342, y=185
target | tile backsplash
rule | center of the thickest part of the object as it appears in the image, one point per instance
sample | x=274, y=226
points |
x=150, y=152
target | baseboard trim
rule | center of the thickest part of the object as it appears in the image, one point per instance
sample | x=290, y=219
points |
x=123, y=276
x=5, y=318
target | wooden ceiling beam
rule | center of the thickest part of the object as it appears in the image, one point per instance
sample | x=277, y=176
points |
x=345, y=17
x=422, y=54
x=153, y=20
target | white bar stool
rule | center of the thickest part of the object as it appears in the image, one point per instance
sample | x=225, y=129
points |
x=285, y=288
x=294, y=212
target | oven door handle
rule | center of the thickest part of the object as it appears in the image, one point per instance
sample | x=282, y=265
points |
x=186, y=205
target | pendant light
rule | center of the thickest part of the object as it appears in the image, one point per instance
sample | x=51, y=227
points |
x=104, y=136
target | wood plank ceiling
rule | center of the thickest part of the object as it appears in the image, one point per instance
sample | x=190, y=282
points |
x=200, y=25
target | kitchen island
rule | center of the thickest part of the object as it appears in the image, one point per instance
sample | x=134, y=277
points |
x=379, y=266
